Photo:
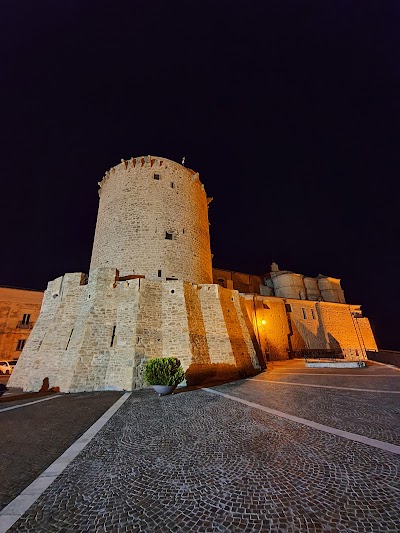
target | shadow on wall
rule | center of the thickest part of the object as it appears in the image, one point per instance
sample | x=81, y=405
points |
x=306, y=343
x=334, y=344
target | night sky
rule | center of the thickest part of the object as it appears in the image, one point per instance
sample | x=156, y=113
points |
x=289, y=110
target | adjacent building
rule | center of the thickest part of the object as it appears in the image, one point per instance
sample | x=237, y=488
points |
x=19, y=310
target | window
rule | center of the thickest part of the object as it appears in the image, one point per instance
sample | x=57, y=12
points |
x=20, y=345
x=172, y=185
x=156, y=177
x=288, y=308
x=313, y=314
x=69, y=339
x=169, y=235
x=26, y=318
x=113, y=336
x=159, y=273
x=304, y=312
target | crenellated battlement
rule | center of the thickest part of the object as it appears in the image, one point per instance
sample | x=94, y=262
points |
x=150, y=162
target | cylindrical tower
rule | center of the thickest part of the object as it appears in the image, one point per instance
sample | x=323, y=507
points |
x=289, y=285
x=331, y=289
x=153, y=221
x=313, y=292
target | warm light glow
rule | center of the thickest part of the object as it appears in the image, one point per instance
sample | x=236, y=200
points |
x=262, y=322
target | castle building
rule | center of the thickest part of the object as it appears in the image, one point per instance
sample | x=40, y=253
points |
x=151, y=292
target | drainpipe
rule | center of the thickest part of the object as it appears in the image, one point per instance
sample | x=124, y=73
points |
x=258, y=331
x=290, y=334
x=256, y=321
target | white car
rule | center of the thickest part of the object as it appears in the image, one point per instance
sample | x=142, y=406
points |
x=5, y=367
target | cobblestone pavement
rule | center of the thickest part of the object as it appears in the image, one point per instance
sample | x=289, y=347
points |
x=199, y=462
x=375, y=377
x=32, y=437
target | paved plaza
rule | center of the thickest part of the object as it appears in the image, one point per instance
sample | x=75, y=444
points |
x=292, y=449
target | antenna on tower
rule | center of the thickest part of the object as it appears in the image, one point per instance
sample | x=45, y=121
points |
x=183, y=160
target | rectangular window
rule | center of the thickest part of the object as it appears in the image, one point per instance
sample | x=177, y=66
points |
x=304, y=312
x=169, y=235
x=156, y=176
x=313, y=314
x=26, y=318
x=288, y=308
x=172, y=185
x=159, y=273
x=20, y=345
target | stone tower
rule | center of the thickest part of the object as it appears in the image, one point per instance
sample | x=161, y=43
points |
x=149, y=293
x=153, y=221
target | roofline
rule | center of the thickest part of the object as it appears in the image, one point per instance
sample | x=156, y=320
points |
x=20, y=288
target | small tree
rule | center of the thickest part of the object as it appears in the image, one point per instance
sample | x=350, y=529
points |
x=164, y=371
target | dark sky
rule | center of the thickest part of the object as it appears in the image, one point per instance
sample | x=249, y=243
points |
x=288, y=109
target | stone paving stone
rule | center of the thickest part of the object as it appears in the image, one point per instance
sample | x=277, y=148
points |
x=372, y=377
x=32, y=437
x=374, y=415
x=199, y=462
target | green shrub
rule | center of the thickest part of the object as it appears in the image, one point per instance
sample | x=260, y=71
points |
x=164, y=371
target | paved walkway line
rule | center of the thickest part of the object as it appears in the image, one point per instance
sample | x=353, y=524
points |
x=323, y=386
x=332, y=375
x=30, y=403
x=385, y=364
x=386, y=446
x=15, y=509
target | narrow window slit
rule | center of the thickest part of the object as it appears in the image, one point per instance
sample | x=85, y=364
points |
x=113, y=336
x=69, y=339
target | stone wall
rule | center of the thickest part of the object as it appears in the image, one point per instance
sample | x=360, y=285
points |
x=246, y=283
x=14, y=304
x=98, y=335
x=143, y=201
x=289, y=328
x=367, y=334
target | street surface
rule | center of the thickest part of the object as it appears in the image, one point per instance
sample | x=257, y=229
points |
x=219, y=460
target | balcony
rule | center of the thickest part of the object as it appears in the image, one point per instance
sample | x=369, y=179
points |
x=21, y=325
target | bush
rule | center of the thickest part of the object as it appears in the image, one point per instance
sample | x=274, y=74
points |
x=164, y=371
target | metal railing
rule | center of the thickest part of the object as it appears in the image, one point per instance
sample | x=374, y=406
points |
x=322, y=354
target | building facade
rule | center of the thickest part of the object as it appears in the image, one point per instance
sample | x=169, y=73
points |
x=19, y=310
x=295, y=315
x=150, y=293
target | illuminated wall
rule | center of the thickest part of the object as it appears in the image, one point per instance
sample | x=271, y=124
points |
x=97, y=334
x=19, y=309
x=288, y=327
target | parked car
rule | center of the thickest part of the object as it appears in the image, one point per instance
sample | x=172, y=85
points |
x=13, y=363
x=5, y=367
